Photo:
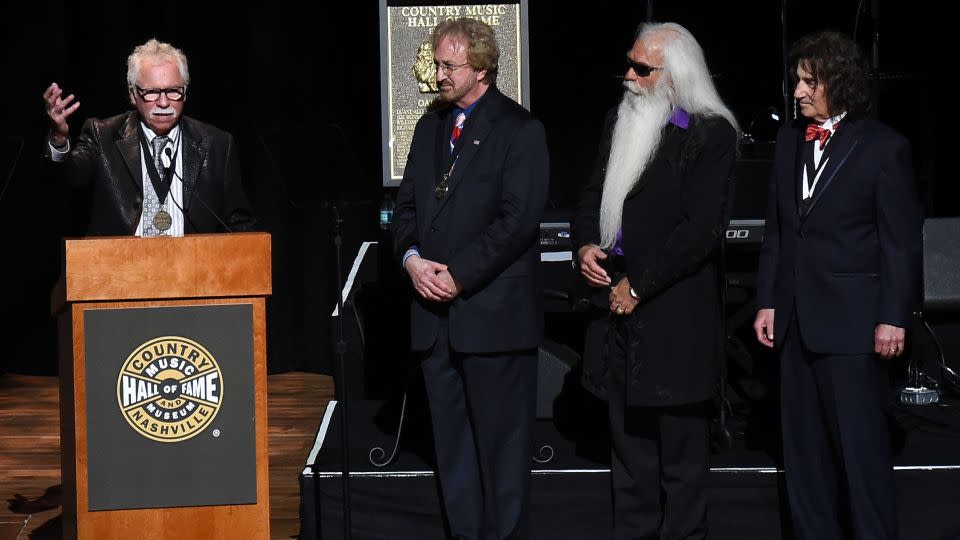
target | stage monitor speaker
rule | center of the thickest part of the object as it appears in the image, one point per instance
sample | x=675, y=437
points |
x=941, y=259
x=555, y=361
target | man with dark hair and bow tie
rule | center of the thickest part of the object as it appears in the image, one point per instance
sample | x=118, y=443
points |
x=466, y=229
x=837, y=284
x=150, y=171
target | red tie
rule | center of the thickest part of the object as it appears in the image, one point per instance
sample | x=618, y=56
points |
x=457, y=128
x=817, y=132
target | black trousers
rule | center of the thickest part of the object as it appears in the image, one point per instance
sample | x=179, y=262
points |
x=660, y=459
x=836, y=440
x=482, y=408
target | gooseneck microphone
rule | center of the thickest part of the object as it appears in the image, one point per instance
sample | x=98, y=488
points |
x=214, y=214
x=168, y=152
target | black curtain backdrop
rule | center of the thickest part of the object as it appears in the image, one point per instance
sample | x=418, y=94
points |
x=298, y=85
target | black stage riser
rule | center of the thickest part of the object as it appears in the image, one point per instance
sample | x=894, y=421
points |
x=576, y=506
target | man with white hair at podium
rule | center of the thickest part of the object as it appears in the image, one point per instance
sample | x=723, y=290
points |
x=150, y=171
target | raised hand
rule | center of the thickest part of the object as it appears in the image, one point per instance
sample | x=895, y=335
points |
x=59, y=110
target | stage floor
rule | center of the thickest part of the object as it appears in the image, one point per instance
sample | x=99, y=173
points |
x=30, y=451
x=570, y=496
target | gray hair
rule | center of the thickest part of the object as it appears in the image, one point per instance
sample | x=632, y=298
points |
x=157, y=51
x=691, y=85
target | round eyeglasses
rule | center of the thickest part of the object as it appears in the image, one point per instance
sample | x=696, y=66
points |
x=448, y=68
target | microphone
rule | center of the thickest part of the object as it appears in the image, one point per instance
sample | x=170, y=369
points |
x=168, y=153
x=212, y=213
x=167, y=158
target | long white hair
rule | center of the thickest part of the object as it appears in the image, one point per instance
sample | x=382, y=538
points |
x=642, y=115
x=693, y=88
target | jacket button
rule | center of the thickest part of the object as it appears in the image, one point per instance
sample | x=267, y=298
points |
x=433, y=229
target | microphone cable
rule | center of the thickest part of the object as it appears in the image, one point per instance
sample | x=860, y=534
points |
x=196, y=195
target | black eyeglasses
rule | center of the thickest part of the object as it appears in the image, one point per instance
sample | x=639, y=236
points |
x=642, y=70
x=152, y=94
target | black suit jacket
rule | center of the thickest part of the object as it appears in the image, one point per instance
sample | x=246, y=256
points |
x=105, y=164
x=853, y=261
x=485, y=229
x=672, y=230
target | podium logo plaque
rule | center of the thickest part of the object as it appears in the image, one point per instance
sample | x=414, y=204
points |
x=170, y=389
x=170, y=406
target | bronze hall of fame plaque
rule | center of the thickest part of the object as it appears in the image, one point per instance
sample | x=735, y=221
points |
x=408, y=83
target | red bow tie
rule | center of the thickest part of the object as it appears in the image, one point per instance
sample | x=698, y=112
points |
x=817, y=132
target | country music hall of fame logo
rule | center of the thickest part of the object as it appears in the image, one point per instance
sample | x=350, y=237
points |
x=170, y=389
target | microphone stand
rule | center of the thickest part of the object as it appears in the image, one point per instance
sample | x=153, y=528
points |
x=784, y=57
x=341, y=350
x=875, y=53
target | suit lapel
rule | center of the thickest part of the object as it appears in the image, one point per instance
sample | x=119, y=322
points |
x=128, y=142
x=845, y=139
x=796, y=176
x=666, y=155
x=442, y=147
x=129, y=186
x=426, y=190
x=476, y=128
x=194, y=148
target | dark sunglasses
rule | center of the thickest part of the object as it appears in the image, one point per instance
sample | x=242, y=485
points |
x=642, y=70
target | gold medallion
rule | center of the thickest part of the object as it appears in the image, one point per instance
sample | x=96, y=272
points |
x=162, y=220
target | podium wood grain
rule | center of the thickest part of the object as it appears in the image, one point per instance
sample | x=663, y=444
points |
x=118, y=273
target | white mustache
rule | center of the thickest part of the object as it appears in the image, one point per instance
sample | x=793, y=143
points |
x=635, y=88
x=164, y=110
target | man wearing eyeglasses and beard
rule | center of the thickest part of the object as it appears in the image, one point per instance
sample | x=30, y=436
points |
x=151, y=171
x=647, y=232
x=465, y=229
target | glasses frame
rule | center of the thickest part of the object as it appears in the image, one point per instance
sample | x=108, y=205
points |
x=641, y=69
x=448, y=68
x=142, y=92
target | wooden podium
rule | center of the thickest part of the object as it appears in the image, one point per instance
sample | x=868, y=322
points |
x=122, y=286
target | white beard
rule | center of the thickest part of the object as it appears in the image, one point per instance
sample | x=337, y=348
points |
x=636, y=136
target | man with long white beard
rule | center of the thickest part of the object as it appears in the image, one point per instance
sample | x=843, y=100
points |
x=647, y=233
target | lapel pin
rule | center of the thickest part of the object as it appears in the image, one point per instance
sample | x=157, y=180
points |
x=476, y=141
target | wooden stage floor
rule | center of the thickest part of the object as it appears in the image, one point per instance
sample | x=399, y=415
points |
x=30, y=451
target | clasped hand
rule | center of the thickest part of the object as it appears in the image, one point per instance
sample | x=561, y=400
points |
x=431, y=279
